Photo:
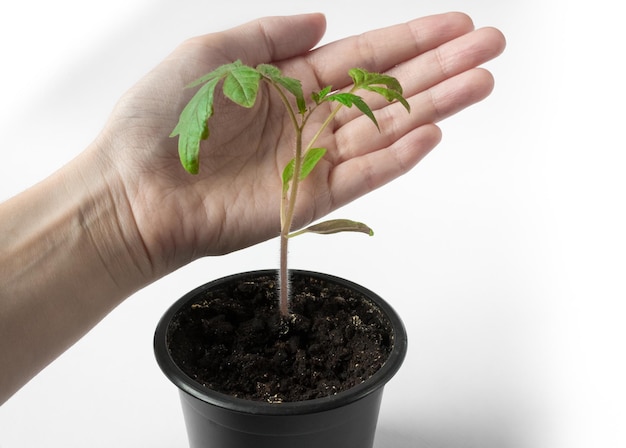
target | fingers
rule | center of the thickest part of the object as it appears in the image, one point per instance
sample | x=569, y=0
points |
x=380, y=50
x=438, y=83
x=358, y=176
x=360, y=136
x=455, y=94
x=435, y=66
x=450, y=59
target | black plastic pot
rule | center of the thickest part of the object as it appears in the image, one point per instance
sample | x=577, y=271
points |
x=345, y=420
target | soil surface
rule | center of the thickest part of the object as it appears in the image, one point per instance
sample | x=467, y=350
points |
x=234, y=340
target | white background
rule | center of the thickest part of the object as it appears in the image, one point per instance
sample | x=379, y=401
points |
x=504, y=250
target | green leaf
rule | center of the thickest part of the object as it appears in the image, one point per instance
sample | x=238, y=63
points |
x=363, y=78
x=336, y=226
x=192, y=126
x=311, y=158
x=385, y=85
x=220, y=72
x=360, y=77
x=292, y=85
x=318, y=97
x=270, y=71
x=288, y=174
x=295, y=87
x=349, y=100
x=242, y=85
x=390, y=95
x=310, y=161
x=363, y=107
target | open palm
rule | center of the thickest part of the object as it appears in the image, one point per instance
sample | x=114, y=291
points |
x=234, y=200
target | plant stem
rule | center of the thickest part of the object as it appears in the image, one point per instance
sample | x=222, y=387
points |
x=286, y=208
x=324, y=125
x=283, y=277
x=286, y=227
x=288, y=199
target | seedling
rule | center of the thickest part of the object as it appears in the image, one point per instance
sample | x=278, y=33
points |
x=241, y=85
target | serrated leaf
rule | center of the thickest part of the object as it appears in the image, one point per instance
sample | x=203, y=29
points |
x=359, y=76
x=310, y=161
x=349, y=100
x=363, y=78
x=295, y=88
x=269, y=71
x=192, y=126
x=363, y=107
x=292, y=85
x=336, y=226
x=219, y=73
x=385, y=85
x=390, y=95
x=241, y=85
x=318, y=97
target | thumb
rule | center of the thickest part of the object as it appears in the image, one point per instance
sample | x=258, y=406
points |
x=272, y=39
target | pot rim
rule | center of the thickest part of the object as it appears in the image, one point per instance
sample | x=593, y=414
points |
x=197, y=390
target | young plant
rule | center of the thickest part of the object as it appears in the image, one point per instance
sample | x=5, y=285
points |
x=241, y=85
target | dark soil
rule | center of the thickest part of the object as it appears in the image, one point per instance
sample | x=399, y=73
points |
x=234, y=340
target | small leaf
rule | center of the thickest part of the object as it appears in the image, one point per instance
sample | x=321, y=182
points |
x=292, y=85
x=359, y=77
x=363, y=107
x=192, y=126
x=219, y=73
x=311, y=158
x=336, y=226
x=349, y=100
x=242, y=85
x=363, y=78
x=295, y=87
x=318, y=97
x=270, y=71
x=239, y=85
x=390, y=95
x=288, y=174
x=385, y=85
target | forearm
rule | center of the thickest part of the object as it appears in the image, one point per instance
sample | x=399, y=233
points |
x=64, y=264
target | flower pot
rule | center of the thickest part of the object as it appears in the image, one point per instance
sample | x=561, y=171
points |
x=346, y=419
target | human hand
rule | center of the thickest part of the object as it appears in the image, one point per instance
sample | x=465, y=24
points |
x=234, y=201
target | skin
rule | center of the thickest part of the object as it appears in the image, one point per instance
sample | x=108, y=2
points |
x=124, y=213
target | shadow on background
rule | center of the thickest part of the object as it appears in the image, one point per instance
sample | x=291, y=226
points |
x=399, y=437
x=411, y=436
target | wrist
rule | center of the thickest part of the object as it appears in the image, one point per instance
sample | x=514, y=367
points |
x=106, y=221
x=68, y=257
